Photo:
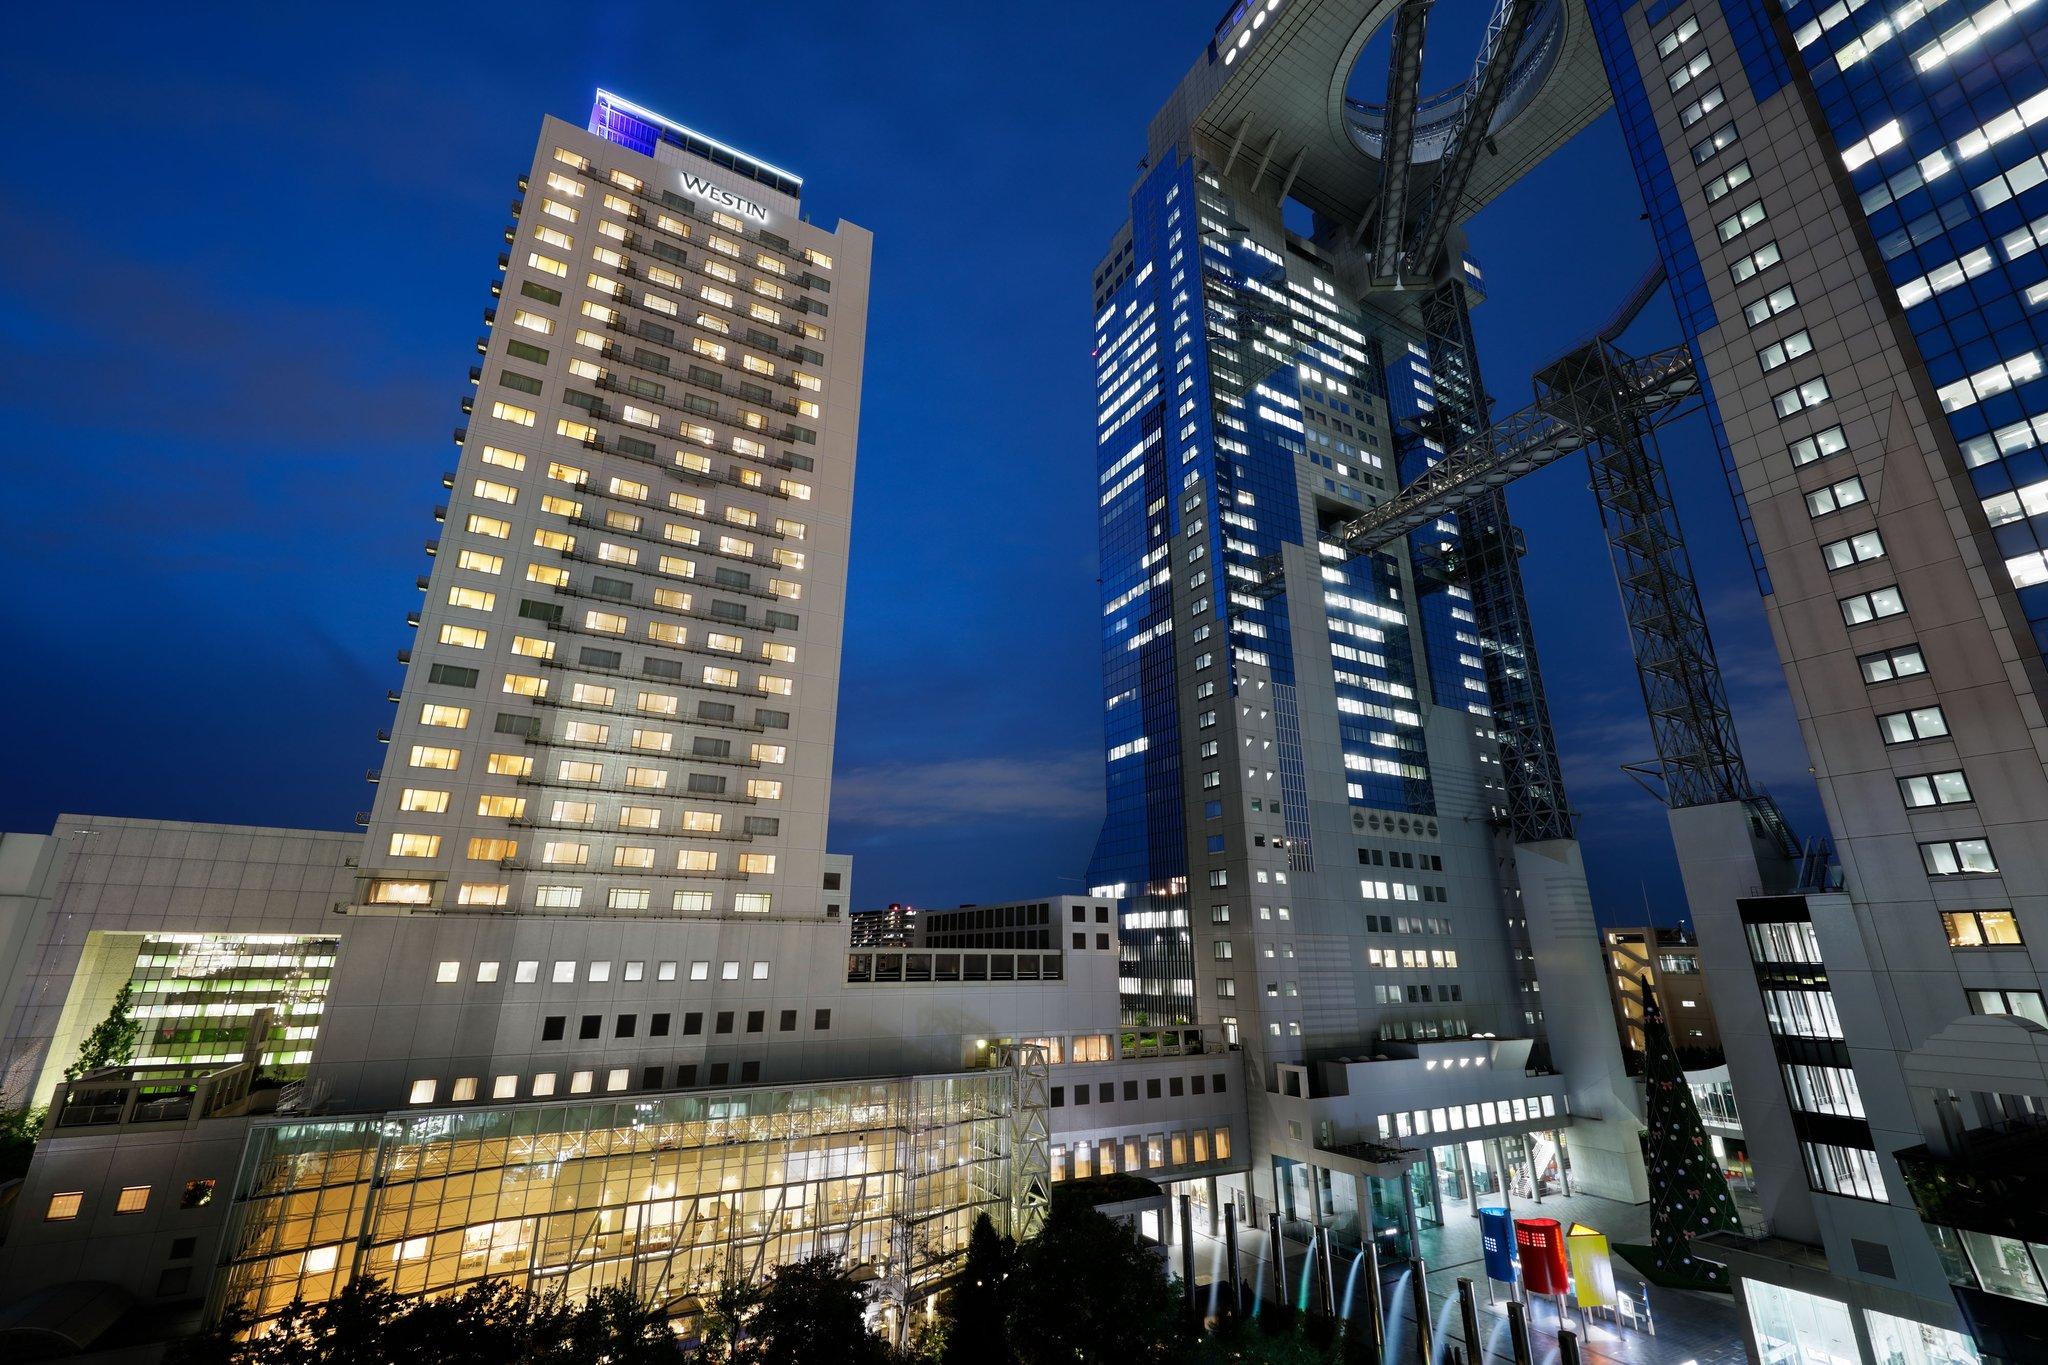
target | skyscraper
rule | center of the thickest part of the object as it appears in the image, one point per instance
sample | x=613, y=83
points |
x=1846, y=199
x=619, y=709
x=1335, y=821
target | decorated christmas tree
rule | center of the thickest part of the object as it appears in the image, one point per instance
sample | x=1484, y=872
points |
x=1688, y=1193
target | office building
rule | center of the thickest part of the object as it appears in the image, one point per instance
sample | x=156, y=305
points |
x=1336, y=833
x=893, y=926
x=1845, y=198
x=1652, y=961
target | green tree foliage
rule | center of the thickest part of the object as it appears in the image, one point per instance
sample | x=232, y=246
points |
x=112, y=1040
x=485, y=1324
x=976, y=1311
x=1688, y=1193
x=1086, y=1289
x=19, y=1129
x=813, y=1313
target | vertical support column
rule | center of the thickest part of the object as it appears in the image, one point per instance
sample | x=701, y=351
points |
x=1237, y=1308
x=1418, y=1288
x=1567, y=1347
x=1518, y=1331
x=1187, y=1250
x=1280, y=1260
x=1468, y=1314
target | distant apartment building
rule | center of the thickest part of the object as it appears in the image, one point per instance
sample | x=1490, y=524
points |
x=893, y=926
x=1665, y=963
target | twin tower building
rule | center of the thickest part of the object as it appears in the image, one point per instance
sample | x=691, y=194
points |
x=582, y=1008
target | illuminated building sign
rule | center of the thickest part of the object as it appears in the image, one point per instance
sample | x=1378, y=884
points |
x=724, y=198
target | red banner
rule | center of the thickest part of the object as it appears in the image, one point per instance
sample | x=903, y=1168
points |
x=1539, y=1244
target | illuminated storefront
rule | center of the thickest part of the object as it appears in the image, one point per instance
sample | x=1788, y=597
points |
x=670, y=1195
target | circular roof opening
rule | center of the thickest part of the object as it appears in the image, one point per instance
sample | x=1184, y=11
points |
x=1451, y=46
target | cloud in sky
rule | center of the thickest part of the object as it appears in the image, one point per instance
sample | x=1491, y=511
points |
x=910, y=794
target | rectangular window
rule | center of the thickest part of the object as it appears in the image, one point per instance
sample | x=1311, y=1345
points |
x=1981, y=928
x=132, y=1199
x=1957, y=857
x=1749, y=267
x=2024, y=1004
x=1935, y=789
x=1860, y=548
x=1904, y=727
x=1888, y=665
x=1872, y=606
x=1835, y=496
x=1785, y=351
x=1810, y=394
x=1771, y=304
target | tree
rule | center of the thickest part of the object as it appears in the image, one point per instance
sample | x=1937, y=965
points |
x=977, y=1308
x=812, y=1313
x=19, y=1129
x=1688, y=1193
x=1087, y=1289
x=483, y=1324
x=112, y=1041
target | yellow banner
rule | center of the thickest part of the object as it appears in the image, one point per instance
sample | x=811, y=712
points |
x=1592, y=1271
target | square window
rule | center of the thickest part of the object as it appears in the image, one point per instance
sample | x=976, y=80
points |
x=199, y=1193
x=132, y=1199
x=64, y=1207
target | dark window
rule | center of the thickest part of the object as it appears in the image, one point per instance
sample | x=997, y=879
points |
x=686, y=1075
x=786, y=1022
x=750, y=1071
x=540, y=611
x=182, y=1248
x=511, y=379
x=772, y=720
x=1173, y=1086
x=198, y=1194
x=663, y=668
x=617, y=589
x=1102, y=914
x=599, y=658
x=527, y=351
x=650, y=1078
x=763, y=824
x=541, y=292
x=174, y=1280
x=1130, y=1090
x=1216, y=1083
x=693, y=1022
x=724, y=1022
x=451, y=676
x=657, y=1026
x=1152, y=1088
x=627, y=1023
x=1080, y=940
x=552, y=1026
x=1198, y=1083
x=709, y=783
x=1059, y=1097
x=756, y=1019
x=1080, y=914
x=590, y=1026
x=823, y=1020
x=1102, y=940
x=509, y=724
x=719, y=1070
x=1105, y=1092
x=714, y=710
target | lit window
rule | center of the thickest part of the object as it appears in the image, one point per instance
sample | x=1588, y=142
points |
x=422, y=1092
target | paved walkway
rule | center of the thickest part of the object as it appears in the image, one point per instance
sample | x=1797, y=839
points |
x=1691, y=1328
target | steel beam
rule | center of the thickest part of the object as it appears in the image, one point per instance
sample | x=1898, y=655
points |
x=1454, y=169
x=1397, y=136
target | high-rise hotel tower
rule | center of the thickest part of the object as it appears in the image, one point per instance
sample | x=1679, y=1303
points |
x=1335, y=821
x=618, y=714
x=1851, y=199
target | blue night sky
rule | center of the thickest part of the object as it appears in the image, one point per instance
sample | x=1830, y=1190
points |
x=246, y=261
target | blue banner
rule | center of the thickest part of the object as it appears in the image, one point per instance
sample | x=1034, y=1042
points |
x=1497, y=1240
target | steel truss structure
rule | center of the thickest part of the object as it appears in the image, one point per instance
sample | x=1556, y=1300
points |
x=1489, y=549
